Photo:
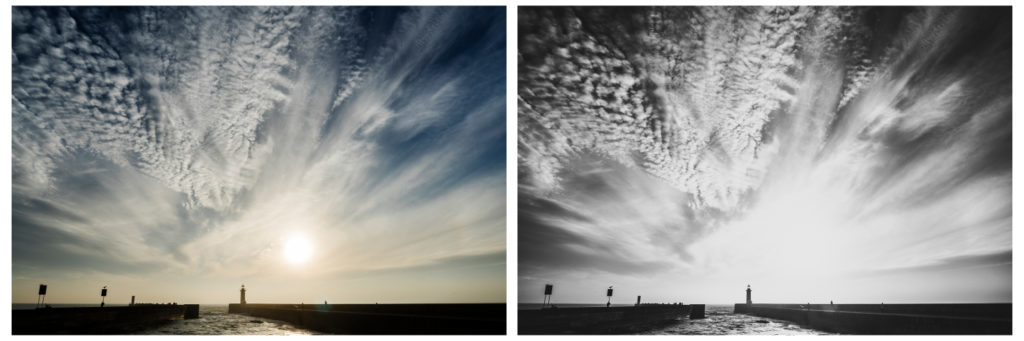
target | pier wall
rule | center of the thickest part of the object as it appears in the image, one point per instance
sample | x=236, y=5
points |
x=385, y=319
x=600, y=320
x=106, y=320
x=696, y=311
x=191, y=311
x=918, y=319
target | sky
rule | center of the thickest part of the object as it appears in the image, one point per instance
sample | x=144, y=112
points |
x=855, y=155
x=353, y=155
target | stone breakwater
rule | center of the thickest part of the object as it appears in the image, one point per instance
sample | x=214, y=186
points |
x=892, y=319
x=385, y=319
x=94, y=320
x=605, y=320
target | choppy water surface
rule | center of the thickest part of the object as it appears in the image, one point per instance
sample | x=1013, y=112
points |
x=215, y=320
x=721, y=321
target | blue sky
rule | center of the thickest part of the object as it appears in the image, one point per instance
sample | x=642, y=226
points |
x=816, y=153
x=173, y=153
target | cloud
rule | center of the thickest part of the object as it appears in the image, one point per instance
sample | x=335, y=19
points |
x=741, y=139
x=1003, y=258
x=194, y=140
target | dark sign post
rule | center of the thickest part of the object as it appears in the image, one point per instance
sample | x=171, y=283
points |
x=42, y=296
x=609, y=304
x=548, y=288
x=103, y=293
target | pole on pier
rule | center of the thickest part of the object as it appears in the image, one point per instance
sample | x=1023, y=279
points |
x=42, y=296
x=103, y=294
x=548, y=289
x=637, y=300
x=609, y=304
x=133, y=300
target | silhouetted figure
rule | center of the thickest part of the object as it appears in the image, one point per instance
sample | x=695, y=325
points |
x=325, y=302
x=830, y=303
x=102, y=304
x=608, y=305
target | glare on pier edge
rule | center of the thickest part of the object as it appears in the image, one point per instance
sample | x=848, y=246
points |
x=297, y=249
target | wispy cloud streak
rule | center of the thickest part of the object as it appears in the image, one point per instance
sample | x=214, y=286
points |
x=196, y=140
x=760, y=140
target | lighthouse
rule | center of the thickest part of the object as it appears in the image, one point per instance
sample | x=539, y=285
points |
x=243, y=295
x=748, y=295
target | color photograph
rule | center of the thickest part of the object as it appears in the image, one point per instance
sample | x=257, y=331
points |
x=258, y=170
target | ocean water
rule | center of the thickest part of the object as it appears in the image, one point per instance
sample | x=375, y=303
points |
x=215, y=320
x=720, y=321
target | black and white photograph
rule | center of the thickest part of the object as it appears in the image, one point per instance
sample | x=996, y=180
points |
x=764, y=170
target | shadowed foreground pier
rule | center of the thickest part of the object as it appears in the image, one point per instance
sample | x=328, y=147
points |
x=94, y=320
x=604, y=320
x=385, y=319
x=892, y=319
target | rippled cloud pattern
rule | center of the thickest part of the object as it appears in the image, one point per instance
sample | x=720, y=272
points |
x=717, y=145
x=192, y=141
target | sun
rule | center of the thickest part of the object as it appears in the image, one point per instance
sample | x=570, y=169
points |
x=298, y=249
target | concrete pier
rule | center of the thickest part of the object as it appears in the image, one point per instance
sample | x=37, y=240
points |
x=191, y=311
x=697, y=311
x=385, y=319
x=601, y=320
x=892, y=319
x=95, y=320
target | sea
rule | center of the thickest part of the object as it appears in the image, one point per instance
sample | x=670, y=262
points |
x=213, y=320
x=719, y=320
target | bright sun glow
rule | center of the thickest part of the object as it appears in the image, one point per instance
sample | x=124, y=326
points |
x=298, y=249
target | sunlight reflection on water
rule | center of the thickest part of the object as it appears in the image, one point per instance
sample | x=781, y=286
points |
x=215, y=320
x=721, y=321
